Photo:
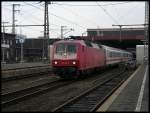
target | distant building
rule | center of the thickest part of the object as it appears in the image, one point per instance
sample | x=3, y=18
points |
x=114, y=33
x=141, y=53
x=32, y=48
x=9, y=50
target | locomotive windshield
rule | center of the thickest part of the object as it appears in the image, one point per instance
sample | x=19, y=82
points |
x=65, y=48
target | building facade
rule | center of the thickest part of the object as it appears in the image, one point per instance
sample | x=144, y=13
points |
x=9, y=50
x=32, y=48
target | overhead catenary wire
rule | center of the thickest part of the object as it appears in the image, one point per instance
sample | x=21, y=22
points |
x=130, y=11
x=76, y=14
x=90, y=5
x=58, y=16
x=40, y=19
x=38, y=5
x=25, y=12
x=107, y=13
x=27, y=27
x=119, y=16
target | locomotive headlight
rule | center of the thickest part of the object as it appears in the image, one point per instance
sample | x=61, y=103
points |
x=55, y=62
x=73, y=62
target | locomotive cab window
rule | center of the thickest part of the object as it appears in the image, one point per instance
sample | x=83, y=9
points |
x=65, y=48
x=71, y=48
x=60, y=48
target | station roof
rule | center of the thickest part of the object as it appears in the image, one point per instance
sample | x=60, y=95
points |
x=116, y=29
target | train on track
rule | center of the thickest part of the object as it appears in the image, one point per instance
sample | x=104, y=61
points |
x=73, y=58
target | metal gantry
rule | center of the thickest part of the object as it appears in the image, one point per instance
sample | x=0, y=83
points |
x=120, y=26
x=146, y=36
x=13, y=17
x=146, y=20
x=46, y=32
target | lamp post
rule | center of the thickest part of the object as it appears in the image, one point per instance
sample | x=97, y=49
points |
x=62, y=32
x=21, y=41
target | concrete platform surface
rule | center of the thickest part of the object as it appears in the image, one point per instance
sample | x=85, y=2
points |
x=22, y=65
x=132, y=95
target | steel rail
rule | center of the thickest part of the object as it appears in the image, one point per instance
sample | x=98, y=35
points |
x=34, y=91
x=19, y=68
x=76, y=104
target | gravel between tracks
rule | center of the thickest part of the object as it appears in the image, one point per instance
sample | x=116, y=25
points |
x=27, y=82
x=51, y=99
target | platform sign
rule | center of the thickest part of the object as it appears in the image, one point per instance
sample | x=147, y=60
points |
x=21, y=38
x=5, y=45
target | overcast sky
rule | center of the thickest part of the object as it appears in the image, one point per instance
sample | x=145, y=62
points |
x=79, y=16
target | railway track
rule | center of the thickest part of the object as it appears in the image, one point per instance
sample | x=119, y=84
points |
x=17, y=96
x=19, y=84
x=9, y=98
x=19, y=73
x=20, y=68
x=13, y=78
x=92, y=98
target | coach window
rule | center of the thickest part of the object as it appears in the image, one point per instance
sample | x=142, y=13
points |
x=117, y=54
x=124, y=55
x=110, y=54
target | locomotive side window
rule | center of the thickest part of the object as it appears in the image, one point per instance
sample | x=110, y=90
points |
x=88, y=43
x=82, y=48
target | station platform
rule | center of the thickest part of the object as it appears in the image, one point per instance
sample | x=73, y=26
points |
x=22, y=65
x=132, y=95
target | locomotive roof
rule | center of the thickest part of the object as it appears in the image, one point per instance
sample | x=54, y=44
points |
x=82, y=42
x=89, y=44
x=74, y=41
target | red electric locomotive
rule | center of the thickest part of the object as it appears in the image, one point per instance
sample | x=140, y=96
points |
x=76, y=56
